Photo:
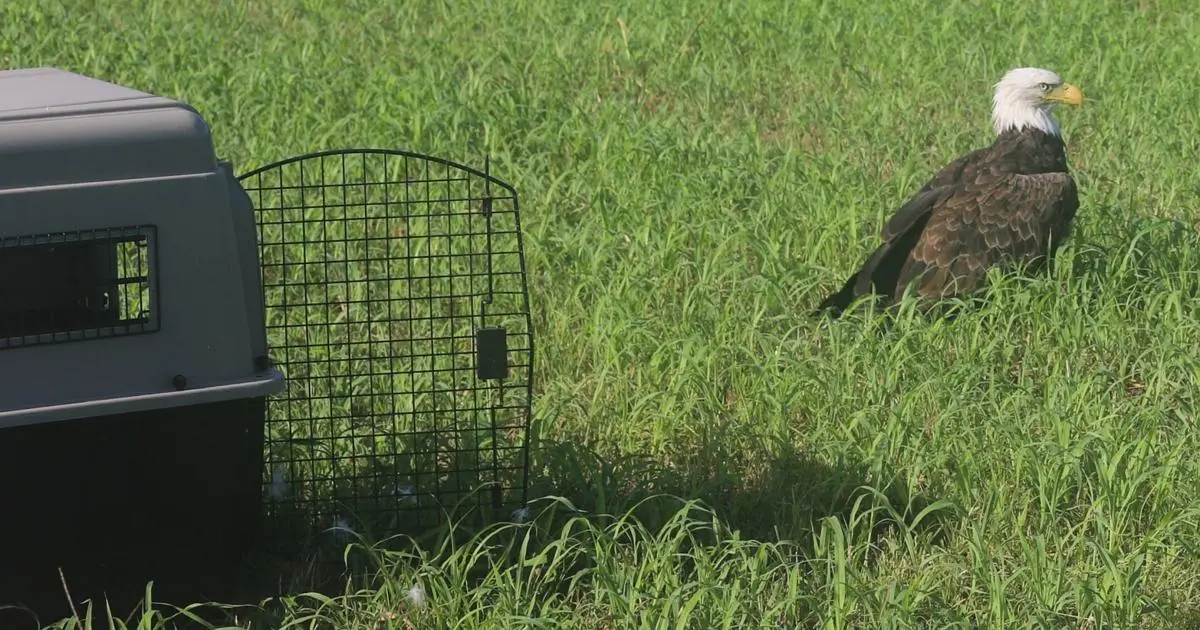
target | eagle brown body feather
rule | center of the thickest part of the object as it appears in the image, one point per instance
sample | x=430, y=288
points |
x=1007, y=205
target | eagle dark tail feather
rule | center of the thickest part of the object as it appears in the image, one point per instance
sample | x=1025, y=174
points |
x=838, y=302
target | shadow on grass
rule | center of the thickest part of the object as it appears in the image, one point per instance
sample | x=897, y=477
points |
x=778, y=493
x=782, y=494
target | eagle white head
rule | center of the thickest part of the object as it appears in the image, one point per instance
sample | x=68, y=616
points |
x=1025, y=97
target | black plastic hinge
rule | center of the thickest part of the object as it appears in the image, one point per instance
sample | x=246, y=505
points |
x=262, y=363
x=491, y=353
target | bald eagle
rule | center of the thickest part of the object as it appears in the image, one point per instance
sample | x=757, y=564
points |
x=1007, y=205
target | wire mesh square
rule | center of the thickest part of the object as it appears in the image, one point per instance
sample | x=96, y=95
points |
x=396, y=307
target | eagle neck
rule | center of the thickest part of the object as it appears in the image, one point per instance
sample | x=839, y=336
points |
x=1006, y=117
x=1030, y=151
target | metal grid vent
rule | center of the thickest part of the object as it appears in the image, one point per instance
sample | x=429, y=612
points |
x=70, y=286
x=397, y=308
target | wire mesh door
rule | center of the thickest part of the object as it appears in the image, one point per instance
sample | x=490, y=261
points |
x=396, y=306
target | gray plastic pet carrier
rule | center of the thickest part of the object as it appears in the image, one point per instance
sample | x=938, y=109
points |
x=133, y=358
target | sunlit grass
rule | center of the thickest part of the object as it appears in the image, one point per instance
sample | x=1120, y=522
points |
x=693, y=178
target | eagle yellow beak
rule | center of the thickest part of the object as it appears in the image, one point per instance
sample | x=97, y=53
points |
x=1067, y=94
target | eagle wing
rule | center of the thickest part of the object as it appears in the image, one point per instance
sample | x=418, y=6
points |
x=919, y=205
x=989, y=219
x=900, y=233
x=965, y=219
x=881, y=270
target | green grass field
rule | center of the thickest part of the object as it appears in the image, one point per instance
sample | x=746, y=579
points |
x=693, y=177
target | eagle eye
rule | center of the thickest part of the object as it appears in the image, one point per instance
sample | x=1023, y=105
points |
x=1045, y=87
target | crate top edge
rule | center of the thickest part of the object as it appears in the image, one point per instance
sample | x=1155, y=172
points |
x=34, y=93
x=58, y=127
